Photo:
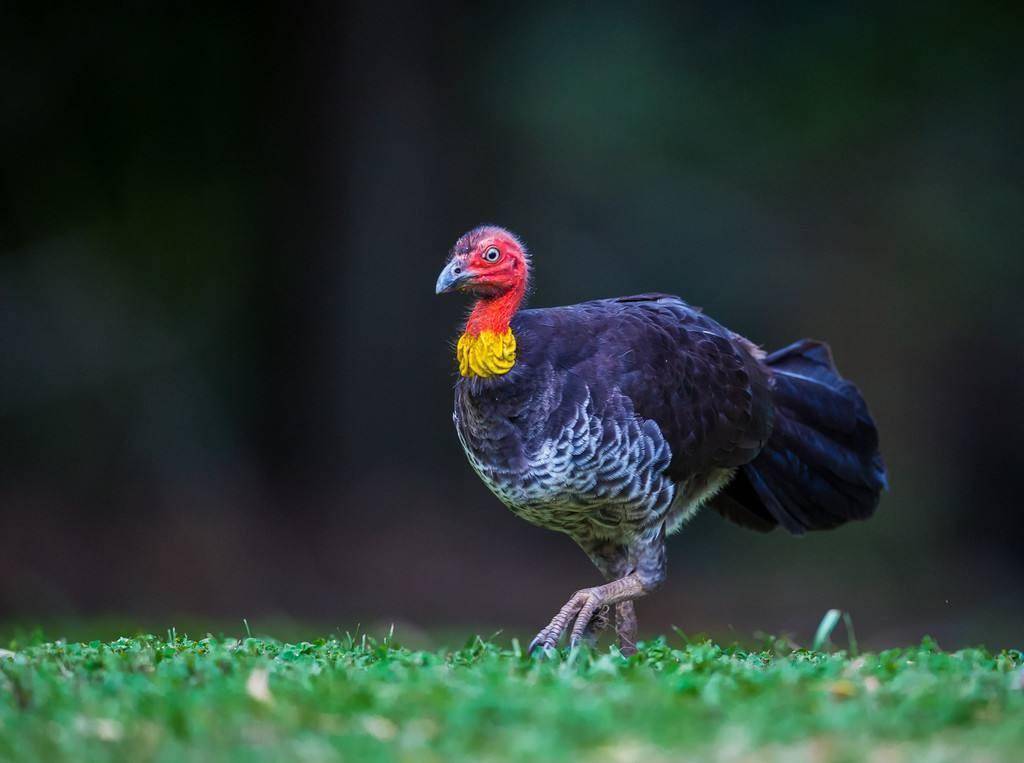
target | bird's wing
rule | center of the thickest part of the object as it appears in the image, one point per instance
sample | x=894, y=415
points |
x=701, y=384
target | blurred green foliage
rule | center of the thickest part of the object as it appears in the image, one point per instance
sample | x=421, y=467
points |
x=175, y=698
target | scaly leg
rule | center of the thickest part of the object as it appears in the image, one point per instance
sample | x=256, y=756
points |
x=612, y=560
x=597, y=625
x=625, y=626
x=646, y=558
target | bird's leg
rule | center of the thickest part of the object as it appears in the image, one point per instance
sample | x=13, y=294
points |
x=598, y=623
x=625, y=626
x=612, y=560
x=648, y=571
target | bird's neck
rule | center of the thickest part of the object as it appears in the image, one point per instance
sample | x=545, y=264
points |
x=488, y=347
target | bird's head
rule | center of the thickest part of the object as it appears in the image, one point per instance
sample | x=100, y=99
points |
x=491, y=264
x=488, y=262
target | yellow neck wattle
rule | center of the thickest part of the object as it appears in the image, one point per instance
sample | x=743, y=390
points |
x=488, y=353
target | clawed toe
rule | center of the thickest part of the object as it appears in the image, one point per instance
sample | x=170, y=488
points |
x=586, y=612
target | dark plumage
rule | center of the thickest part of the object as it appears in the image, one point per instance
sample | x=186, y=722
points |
x=619, y=418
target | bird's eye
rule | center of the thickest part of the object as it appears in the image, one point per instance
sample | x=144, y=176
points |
x=492, y=254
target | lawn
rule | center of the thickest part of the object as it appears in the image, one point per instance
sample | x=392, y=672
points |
x=359, y=699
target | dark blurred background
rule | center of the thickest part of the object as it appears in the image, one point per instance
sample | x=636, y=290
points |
x=225, y=381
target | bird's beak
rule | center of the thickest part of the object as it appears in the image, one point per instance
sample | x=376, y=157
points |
x=452, y=277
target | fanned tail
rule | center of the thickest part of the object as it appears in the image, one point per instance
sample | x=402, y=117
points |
x=821, y=466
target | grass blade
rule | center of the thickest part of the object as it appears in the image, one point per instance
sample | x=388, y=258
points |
x=851, y=637
x=825, y=627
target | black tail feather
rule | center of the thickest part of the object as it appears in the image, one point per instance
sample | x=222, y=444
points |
x=821, y=466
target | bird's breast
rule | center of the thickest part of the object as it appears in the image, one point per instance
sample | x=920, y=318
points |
x=568, y=459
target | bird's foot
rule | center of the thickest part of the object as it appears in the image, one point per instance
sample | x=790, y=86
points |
x=587, y=613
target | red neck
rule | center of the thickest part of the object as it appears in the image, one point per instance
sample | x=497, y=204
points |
x=494, y=313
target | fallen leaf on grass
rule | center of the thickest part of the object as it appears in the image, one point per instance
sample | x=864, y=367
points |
x=379, y=727
x=257, y=686
x=104, y=729
x=843, y=689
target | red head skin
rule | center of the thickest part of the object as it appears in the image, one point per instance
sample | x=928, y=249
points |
x=499, y=284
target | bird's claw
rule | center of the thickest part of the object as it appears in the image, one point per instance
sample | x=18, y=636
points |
x=586, y=611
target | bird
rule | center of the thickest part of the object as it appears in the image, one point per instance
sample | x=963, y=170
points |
x=614, y=421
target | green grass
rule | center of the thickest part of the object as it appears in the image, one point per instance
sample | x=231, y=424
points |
x=358, y=699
